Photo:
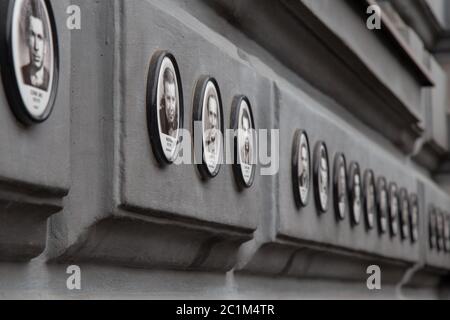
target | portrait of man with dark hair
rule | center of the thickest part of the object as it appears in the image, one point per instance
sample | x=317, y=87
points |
x=35, y=73
x=246, y=149
x=303, y=177
x=168, y=113
x=212, y=133
x=356, y=197
x=342, y=188
x=323, y=178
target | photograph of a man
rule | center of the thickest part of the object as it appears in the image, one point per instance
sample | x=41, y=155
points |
x=303, y=178
x=394, y=210
x=370, y=198
x=35, y=73
x=212, y=125
x=342, y=189
x=405, y=214
x=168, y=109
x=323, y=178
x=356, y=197
x=246, y=149
x=382, y=204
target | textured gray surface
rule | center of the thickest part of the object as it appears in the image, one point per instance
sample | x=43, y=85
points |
x=128, y=223
x=34, y=165
x=39, y=156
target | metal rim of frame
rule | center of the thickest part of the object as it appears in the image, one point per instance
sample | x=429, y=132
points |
x=354, y=170
x=369, y=175
x=393, y=219
x=199, y=95
x=439, y=230
x=382, y=215
x=295, y=169
x=10, y=81
x=404, y=221
x=152, y=103
x=317, y=156
x=432, y=227
x=414, y=228
x=237, y=168
x=339, y=161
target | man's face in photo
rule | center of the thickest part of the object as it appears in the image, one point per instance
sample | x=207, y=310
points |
x=36, y=42
x=383, y=200
x=341, y=188
x=170, y=101
x=304, y=173
x=357, y=201
x=405, y=210
x=394, y=206
x=371, y=198
x=415, y=215
x=304, y=166
x=342, y=183
x=212, y=114
x=246, y=132
x=323, y=179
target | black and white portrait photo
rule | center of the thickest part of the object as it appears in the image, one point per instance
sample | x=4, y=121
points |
x=447, y=232
x=164, y=106
x=404, y=214
x=382, y=204
x=393, y=208
x=432, y=227
x=355, y=187
x=208, y=104
x=34, y=61
x=301, y=168
x=340, y=186
x=440, y=230
x=321, y=176
x=369, y=199
x=246, y=150
x=245, y=141
x=414, y=217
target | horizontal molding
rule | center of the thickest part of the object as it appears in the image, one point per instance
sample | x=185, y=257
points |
x=302, y=41
x=134, y=241
x=23, y=227
x=313, y=262
x=420, y=17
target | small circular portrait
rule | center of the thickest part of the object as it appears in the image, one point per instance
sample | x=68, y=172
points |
x=340, y=186
x=245, y=152
x=164, y=107
x=29, y=58
x=321, y=176
x=393, y=208
x=414, y=218
x=404, y=214
x=382, y=204
x=432, y=227
x=440, y=230
x=356, y=196
x=301, y=168
x=369, y=199
x=208, y=114
x=447, y=232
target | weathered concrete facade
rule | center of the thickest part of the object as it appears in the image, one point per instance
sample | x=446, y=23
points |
x=84, y=187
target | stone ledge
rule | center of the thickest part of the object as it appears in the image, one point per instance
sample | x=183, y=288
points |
x=303, y=260
x=129, y=240
x=23, y=227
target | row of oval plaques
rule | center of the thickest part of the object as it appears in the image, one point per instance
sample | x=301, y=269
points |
x=385, y=206
x=439, y=230
x=382, y=204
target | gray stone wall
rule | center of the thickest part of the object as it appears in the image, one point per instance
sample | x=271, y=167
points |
x=141, y=231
